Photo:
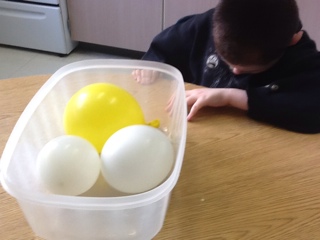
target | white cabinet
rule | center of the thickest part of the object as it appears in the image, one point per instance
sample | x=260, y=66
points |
x=310, y=17
x=36, y=26
x=132, y=24
x=176, y=9
x=129, y=24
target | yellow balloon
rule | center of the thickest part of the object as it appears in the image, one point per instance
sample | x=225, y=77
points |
x=98, y=110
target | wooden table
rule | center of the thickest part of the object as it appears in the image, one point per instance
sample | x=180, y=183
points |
x=241, y=180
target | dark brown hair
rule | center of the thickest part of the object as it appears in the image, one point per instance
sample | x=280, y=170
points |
x=254, y=31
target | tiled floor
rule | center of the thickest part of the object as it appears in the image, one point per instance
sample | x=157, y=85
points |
x=18, y=62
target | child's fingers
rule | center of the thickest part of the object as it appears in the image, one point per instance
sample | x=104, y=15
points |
x=193, y=110
x=136, y=74
x=196, y=104
x=170, y=103
x=145, y=76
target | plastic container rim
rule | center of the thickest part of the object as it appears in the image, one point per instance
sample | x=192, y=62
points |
x=82, y=202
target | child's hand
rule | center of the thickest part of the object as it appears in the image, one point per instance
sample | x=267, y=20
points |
x=145, y=76
x=203, y=97
x=215, y=97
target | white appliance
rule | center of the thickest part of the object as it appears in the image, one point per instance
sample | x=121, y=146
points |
x=36, y=24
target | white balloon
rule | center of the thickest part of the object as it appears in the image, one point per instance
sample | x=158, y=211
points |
x=68, y=165
x=137, y=158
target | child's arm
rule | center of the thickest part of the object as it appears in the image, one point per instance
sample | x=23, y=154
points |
x=215, y=97
x=295, y=107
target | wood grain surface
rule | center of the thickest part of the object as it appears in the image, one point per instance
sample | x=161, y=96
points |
x=240, y=180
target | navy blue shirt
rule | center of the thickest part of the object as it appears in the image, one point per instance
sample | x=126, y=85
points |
x=287, y=95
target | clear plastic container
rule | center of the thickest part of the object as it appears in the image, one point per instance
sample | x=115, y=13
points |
x=101, y=213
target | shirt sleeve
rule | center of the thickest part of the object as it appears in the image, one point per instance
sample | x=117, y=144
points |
x=177, y=44
x=170, y=42
x=295, y=108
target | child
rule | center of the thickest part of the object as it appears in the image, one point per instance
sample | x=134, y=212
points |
x=248, y=54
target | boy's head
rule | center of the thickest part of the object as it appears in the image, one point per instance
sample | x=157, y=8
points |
x=254, y=32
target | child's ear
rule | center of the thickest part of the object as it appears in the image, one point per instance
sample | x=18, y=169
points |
x=296, y=38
